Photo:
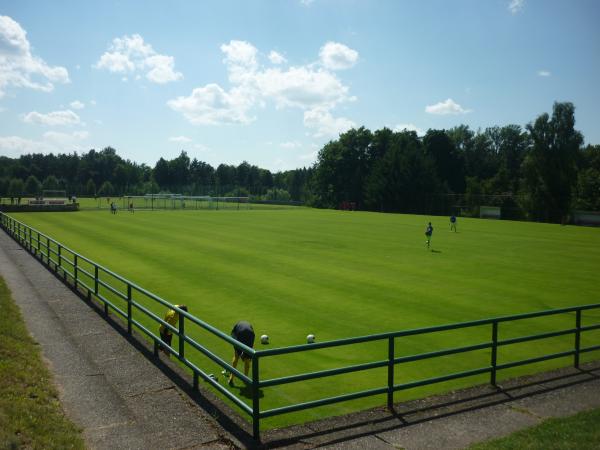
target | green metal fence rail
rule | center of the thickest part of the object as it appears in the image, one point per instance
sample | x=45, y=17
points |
x=68, y=264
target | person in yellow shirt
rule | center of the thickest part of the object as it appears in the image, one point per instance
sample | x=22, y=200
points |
x=172, y=318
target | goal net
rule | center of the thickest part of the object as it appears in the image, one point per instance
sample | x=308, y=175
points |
x=489, y=212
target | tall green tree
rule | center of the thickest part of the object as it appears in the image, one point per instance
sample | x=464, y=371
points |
x=107, y=189
x=32, y=186
x=342, y=168
x=550, y=168
x=449, y=163
x=51, y=183
x=16, y=188
x=90, y=187
x=403, y=178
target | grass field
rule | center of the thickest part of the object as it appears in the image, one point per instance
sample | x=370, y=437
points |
x=578, y=432
x=30, y=413
x=341, y=274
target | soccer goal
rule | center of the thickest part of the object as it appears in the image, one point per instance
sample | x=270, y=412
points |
x=490, y=212
x=178, y=201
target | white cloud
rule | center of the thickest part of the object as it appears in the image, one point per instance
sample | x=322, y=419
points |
x=302, y=87
x=202, y=148
x=409, y=127
x=307, y=2
x=290, y=145
x=52, y=142
x=18, y=67
x=130, y=54
x=240, y=59
x=66, y=117
x=307, y=87
x=77, y=104
x=336, y=56
x=93, y=102
x=180, y=139
x=211, y=105
x=324, y=124
x=544, y=73
x=515, y=6
x=276, y=58
x=312, y=156
x=448, y=106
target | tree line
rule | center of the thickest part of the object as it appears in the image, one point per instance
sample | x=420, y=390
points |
x=539, y=172
x=105, y=173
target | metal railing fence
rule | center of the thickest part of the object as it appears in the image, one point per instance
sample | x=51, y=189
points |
x=89, y=278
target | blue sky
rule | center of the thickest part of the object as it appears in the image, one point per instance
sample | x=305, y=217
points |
x=271, y=81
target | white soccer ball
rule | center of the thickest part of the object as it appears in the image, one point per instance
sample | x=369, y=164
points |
x=264, y=339
x=310, y=339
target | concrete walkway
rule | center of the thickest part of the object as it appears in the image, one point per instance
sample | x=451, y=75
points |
x=112, y=386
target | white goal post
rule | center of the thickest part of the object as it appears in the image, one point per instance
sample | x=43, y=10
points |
x=490, y=212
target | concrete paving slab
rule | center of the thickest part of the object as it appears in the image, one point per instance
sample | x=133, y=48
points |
x=120, y=436
x=563, y=402
x=366, y=443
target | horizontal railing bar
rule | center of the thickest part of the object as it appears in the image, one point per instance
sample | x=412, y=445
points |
x=221, y=362
x=85, y=272
x=221, y=389
x=84, y=284
x=112, y=289
x=65, y=260
x=590, y=327
x=440, y=379
x=417, y=331
x=323, y=373
x=534, y=337
x=322, y=402
x=589, y=349
x=110, y=304
x=450, y=351
x=535, y=360
x=144, y=329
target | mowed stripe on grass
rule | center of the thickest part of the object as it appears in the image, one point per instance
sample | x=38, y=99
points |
x=341, y=274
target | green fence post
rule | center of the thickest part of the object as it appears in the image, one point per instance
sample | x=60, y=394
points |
x=390, y=392
x=75, y=270
x=255, y=400
x=577, y=337
x=129, y=308
x=48, y=249
x=494, y=352
x=95, y=279
x=181, y=336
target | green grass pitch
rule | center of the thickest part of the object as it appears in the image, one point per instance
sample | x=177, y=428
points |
x=342, y=274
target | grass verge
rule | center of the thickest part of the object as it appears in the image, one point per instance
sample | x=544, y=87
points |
x=30, y=413
x=578, y=432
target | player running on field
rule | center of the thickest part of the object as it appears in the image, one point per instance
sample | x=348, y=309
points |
x=453, y=223
x=428, y=233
